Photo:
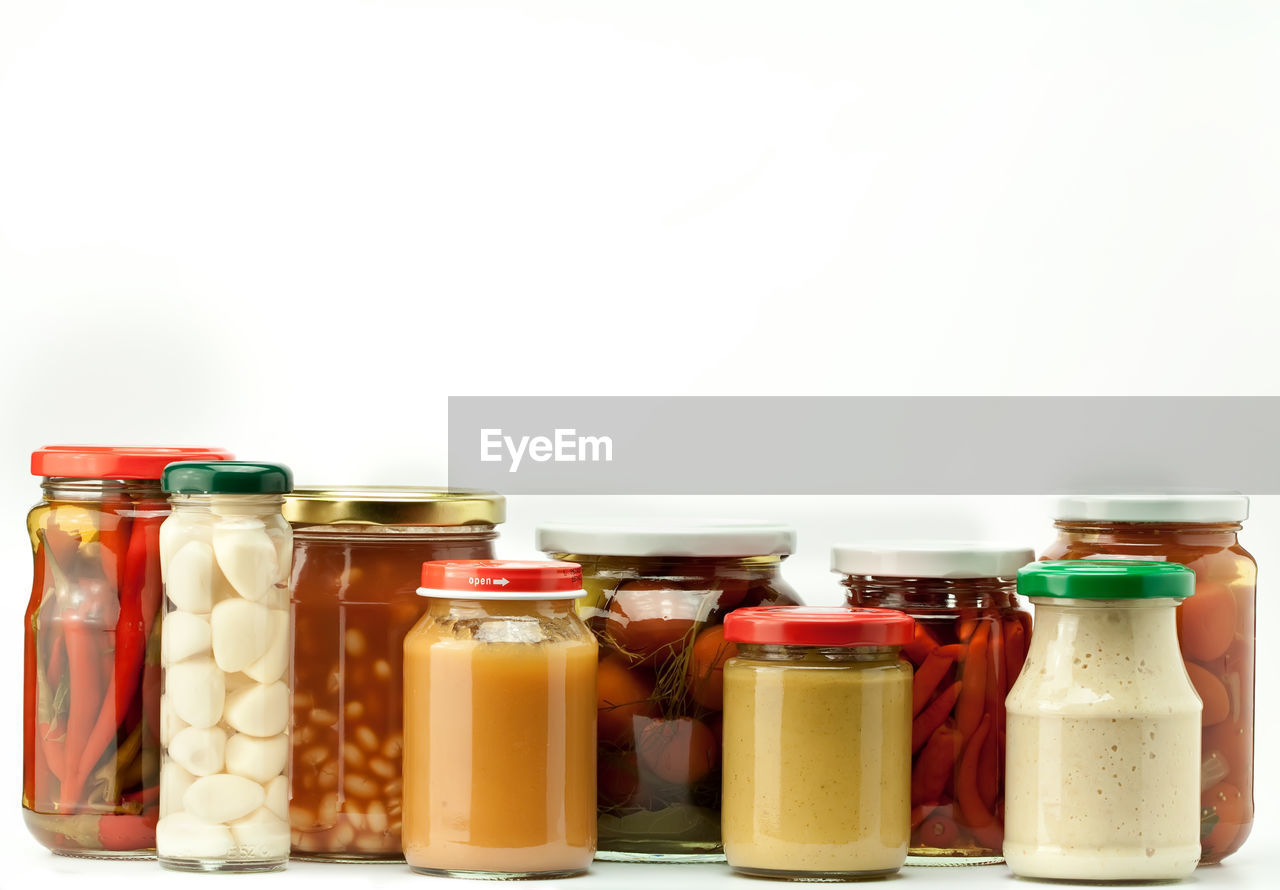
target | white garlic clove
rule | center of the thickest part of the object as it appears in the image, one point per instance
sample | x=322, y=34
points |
x=241, y=633
x=261, y=835
x=170, y=723
x=184, y=836
x=183, y=634
x=247, y=557
x=197, y=691
x=282, y=539
x=189, y=583
x=239, y=681
x=201, y=752
x=223, y=798
x=260, y=710
x=271, y=666
x=175, y=532
x=174, y=782
x=278, y=796
x=258, y=759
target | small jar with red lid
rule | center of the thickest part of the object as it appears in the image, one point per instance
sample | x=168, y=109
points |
x=817, y=742
x=91, y=693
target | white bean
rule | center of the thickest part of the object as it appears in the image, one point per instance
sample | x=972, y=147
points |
x=199, y=751
x=223, y=798
x=257, y=759
x=197, y=690
x=241, y=633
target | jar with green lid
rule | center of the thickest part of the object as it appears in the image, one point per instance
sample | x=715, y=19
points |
x=657, y=596
x=224, y=708
x=1103, y=750
x=358, y=555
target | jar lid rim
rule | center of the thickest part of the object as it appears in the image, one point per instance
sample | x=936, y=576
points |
x=675, y=537
x=930, y=559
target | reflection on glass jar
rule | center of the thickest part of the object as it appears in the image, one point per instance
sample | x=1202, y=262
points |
x=1215, y=627
x=970, y=640
x=91, y=696
x=656, y=598
x=358, y=555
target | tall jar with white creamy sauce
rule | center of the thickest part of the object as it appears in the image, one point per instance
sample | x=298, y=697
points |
x=1103, y=749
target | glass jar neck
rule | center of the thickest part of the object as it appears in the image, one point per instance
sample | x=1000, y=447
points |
x=407, y=533
x=818, y=654
x=931, y=593
x=264, y=503
x=66, y=488
x=463, y=608
x=1191, y=533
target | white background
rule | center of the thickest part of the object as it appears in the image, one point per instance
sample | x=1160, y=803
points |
x=293, y=229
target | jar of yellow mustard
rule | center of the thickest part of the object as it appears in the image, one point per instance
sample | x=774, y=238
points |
x=817, y=742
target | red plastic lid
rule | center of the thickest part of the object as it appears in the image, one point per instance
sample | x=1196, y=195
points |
x=114, y=461
x=502, y=579
x=818, y=626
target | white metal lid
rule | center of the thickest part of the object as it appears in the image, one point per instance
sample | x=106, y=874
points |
x=676, y=537
x=1153, y=507
x=930, y=559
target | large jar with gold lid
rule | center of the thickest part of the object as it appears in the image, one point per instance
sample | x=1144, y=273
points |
x=358, y=555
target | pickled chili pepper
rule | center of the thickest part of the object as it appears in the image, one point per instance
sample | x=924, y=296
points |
x=930, y=674
x=935, y=765
x=920, y=647
x=933, y=716
x=973, y=682
x=83, y=661
x=139, y=603
x=993, y=749
x=938, y=831
x=968, y=793
x=1015, y=648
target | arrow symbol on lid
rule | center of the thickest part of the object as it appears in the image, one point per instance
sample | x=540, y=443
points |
x=501, y=582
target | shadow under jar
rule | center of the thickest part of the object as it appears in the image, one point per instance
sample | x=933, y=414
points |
x=1215, y=627
x=969, y=644
x=656, y=598
x=358, y=555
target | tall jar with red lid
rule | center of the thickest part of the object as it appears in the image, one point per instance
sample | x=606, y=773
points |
x=1215, y=627
x=91, y=694
x=971, y=637
x=358, y=554
x=656, y=597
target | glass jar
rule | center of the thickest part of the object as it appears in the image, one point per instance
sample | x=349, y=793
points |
x=358, y=555
x=1104, y=727
x=91, y=693
x=1215, y=627
x=225, y=554
x=970, y=640
x=817, y=742
x=656, y=598
x=499, y=723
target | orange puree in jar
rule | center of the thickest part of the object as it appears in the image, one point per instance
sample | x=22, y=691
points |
x=499, y=723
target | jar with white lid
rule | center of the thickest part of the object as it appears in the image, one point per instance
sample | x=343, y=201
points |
x=969, y=643
x=1103, y=727
x=225, y=554
x=1216, y=627
x=657, y=593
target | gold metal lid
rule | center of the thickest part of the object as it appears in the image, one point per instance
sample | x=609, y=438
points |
x=393, y=505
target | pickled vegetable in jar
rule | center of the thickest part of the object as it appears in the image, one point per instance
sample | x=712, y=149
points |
x=91, y=697
x=225, y=646
x=817, y=742
x=499, y=719
x=1215, y=627
x=969, y=643
x=656, y=598
x=1103, y=728
x=358, y=555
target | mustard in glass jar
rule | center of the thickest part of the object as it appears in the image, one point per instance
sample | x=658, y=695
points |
x=817, y=742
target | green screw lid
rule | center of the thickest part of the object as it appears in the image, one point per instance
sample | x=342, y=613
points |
x=1106, y=579
x=226, y=477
